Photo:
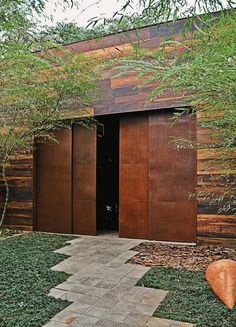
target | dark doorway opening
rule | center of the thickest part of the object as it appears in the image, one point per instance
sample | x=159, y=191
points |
x=107, y=174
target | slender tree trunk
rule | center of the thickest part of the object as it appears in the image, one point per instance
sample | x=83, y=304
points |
x=4, y=209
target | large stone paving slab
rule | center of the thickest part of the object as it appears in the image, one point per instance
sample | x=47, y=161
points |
x=102, y=287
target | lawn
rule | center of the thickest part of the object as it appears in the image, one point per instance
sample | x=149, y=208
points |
x=189, y=299
x=26, y=278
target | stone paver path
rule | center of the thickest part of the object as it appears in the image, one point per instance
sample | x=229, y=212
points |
x=102, y=287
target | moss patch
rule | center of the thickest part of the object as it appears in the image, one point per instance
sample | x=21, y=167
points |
x=26, y=278
x=189, y=299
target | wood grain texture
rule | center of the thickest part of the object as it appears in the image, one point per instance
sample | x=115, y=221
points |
x=84, y=180
x=120, y=93
x=20, y=180
x=211, y=223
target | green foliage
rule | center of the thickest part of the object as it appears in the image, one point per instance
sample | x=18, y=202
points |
x=26, y=279
x=36, y=87
x=189, y=299
x=205, y=73
x=64, y=32
x=155, y=11
x=34, y=90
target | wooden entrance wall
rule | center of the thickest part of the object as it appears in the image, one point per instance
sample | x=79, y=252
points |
x=156, y=179
x=121, y=95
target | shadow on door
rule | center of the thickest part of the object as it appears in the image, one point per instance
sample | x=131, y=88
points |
x=107, y=174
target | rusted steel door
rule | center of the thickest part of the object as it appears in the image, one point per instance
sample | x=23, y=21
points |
x=172, y=178
x=134, y=171
x=84, y=180
x=156, y=179
x=54, y=184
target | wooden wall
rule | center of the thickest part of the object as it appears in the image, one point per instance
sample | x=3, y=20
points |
x=121, y=95
x=20, y=179
x=211, y=223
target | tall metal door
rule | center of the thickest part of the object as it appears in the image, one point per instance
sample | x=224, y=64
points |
x=54, y=184
x=172, y=179
x=156, y=179
x=84, y=180
x=134, y=171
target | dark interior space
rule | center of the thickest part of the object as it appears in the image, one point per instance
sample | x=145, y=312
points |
x=107, y=173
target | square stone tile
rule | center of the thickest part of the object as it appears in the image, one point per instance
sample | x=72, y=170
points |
x=127, y=255
x=65, y=286
x=105, y=284
x=63, y=250
x=116, y=263
x=55, y=324
x=108, y=301
x=129, y=280
x=99, y=292
x=131, y=307
x=109, y=323
x=111, y=278
x=104, y=313
x=124, y=307
x=138, y=271
x=84, y=321
x=146, y=296
x=56, y=293
x=136, y=319
x=157, y=322
x=89, y=299
x=119, y=290
x=160, y=322
x=80, y=288
x=65, y=317
x=78, y=307
x=71, y=296
x=104, y=259
x=89, y=281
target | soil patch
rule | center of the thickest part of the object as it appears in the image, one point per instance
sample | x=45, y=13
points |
x=180, y=256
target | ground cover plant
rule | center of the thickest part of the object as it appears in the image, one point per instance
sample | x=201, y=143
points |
x=189, y=299
x=7, y=232
x=26, y=279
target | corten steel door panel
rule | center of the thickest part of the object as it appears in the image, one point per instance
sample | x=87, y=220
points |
x=53, y=184
x=134, y=147
x=84, y=180
x=172, y=178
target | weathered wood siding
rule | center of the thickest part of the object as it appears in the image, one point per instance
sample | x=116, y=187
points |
x=211, y=223
x=120, y=95
x=20, y=179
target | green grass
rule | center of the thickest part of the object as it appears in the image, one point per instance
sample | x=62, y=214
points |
x=26, y=278
x=189, y=299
